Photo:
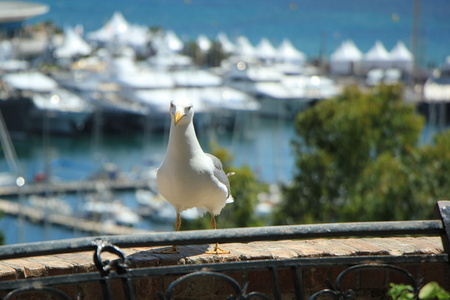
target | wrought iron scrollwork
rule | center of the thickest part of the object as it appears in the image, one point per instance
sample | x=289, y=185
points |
x=33, y=290
x=105, y=267
x=336, y=290
x=239, y=293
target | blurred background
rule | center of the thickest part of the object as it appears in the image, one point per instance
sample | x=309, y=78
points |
x=311, y=103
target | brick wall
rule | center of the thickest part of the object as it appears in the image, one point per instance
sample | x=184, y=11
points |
x=368, y=284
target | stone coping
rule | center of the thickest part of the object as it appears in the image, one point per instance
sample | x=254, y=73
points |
x=141, y=257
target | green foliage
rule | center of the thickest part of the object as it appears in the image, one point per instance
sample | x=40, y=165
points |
x=244, y=187
x=401, y=292
x=212, y=58
x=192, y=50
x=431, y=290
x=215, y=55
x=357, y=159
x=156, y=29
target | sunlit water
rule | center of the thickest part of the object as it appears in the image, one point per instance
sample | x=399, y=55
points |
x=262, y=144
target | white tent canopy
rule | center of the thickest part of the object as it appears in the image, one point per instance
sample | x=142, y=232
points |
x=377, y=57
x=173, y=42
x=401, y=57
x=204, y=43
x=118, y=30
x=116, y=27
x=118, y=24
x=265, y=50
x=287, y=53
x=73, y=45
x=346, y=59
x=244, y=48
x=226, y=44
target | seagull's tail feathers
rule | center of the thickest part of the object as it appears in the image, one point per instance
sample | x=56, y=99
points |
x=230, y=199
x=201, y=211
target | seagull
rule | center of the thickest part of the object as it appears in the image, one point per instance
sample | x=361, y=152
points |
x=189, y=177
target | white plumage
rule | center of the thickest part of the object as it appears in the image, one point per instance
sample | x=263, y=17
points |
x=188, y=177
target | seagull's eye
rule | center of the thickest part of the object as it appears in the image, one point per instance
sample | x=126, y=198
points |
x=171, y=105
x=188, y=108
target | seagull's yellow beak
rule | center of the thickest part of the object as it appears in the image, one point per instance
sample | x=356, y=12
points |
x=178, y=117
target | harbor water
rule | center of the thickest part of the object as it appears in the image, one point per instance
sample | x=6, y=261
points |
x=262, y=144
x=265, y=146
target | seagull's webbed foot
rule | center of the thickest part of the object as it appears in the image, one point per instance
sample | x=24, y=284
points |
x=217, y=250
x=171, y=250
x=174, y=248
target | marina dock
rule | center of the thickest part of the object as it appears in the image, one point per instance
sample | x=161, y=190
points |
x=71, y=187
x=83, y=225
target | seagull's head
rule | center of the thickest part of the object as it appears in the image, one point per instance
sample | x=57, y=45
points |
x=181, y=110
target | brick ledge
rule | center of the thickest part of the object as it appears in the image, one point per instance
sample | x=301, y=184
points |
x=140, y=257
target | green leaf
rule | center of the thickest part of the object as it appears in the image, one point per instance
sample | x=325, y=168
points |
x=401, y=292
x=433, y=290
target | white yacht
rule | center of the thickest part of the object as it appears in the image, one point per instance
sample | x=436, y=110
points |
x=51, y=107
x=265, y=84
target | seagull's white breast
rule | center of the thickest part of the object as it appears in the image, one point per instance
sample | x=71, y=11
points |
x=191, y=183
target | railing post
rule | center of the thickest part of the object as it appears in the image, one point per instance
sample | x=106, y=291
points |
x=442, y=210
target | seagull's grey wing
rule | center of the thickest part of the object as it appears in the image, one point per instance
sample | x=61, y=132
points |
x=219, y=172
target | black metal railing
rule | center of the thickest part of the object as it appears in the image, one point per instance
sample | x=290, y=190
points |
x=119, y=270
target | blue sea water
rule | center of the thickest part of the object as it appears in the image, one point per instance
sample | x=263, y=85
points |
x=315, y=27
x=261, y=144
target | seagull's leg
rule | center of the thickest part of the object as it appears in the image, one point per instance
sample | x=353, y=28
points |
x=178, y=222
x=177, y=228
x=217, y=249
x=174, y=249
